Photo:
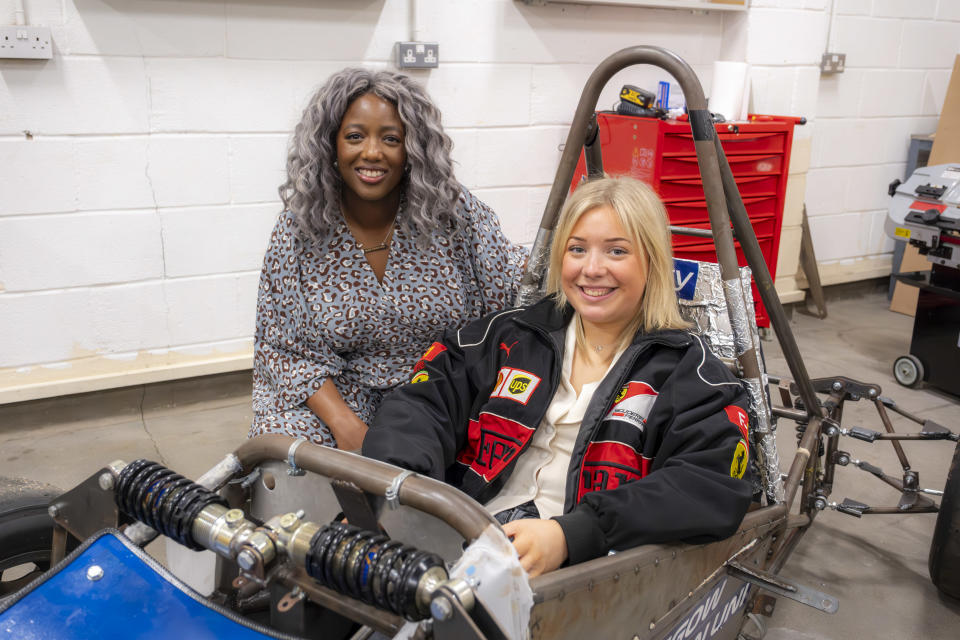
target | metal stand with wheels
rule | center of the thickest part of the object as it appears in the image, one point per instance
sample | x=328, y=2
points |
x=934, y=355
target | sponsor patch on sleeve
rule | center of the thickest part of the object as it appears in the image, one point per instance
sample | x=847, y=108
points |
x=515, y=384
x=421, y=376
x=738, y=466
x=435, y=349
x=632, y=404
x=608, y=465
x=739, y=417
x=492, y=443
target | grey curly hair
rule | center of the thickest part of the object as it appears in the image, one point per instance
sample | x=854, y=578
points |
x=312, y=188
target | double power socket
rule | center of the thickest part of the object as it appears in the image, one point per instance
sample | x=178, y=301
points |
x=25, y=41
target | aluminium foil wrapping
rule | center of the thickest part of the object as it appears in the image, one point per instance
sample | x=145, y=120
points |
x=702, y=294
x=740, y=319
x=537, y=265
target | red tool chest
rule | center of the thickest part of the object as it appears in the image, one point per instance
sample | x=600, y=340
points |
x=661, y=153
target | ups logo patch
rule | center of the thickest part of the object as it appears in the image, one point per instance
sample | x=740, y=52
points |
x=519, y=384
x=515, y=384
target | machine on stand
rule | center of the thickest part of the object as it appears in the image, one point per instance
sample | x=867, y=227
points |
x=925, y=211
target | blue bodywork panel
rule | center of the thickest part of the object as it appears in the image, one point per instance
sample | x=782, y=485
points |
x=134, y=598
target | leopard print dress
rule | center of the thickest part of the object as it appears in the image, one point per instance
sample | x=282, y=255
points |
x=321, y=313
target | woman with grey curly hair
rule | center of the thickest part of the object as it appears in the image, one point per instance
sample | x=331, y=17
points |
x=379, y=249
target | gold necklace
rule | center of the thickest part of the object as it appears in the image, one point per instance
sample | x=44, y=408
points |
x=377, y=247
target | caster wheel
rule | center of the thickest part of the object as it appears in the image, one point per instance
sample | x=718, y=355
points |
x=908, y=370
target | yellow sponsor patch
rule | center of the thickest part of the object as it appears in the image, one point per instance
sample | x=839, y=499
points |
x=621, y=394
x=900, y=232
x=738, y=466
x=421, y=376
x=515, y=384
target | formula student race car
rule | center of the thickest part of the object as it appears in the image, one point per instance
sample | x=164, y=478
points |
x=263, y=541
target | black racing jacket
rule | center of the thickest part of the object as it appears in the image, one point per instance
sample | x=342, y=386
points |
x=661, y=455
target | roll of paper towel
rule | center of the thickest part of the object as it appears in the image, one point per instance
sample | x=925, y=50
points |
x=729, y=92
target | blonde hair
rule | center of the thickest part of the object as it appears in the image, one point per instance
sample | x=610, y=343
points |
x=644, y=218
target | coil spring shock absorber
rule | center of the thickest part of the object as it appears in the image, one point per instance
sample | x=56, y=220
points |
x=163, y=500
x=372, y=568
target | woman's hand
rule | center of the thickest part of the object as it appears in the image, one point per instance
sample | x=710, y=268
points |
x=349, y=434
x=345, y=426
x=541, y=545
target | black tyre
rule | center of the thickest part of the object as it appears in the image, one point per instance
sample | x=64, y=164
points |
x=26, y=532
x=945, y=547
x=908, y=370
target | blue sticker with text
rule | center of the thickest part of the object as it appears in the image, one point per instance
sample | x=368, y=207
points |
x=706, y=620
x=685, y=274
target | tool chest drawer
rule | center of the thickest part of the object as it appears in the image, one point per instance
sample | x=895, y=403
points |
x=763, y=227
x=687, y=166
x=662, y=154
x=688, y=213
x=681, y=144
x=692, y=188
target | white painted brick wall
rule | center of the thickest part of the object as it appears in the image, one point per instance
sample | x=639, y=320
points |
x=836, y=236
x=111, y=173
x=232, y=95
x=868, y=42
x=201, y=240
x=209, y=309
x=887, y=92
x=134, y=215
x=50, y=329
x=788, y=90
x=42, y=327
x=934, y=91
x=257, y=167
x=853, y=7
x=839, y=94
x=142, y=28
x=786, y=36
x=72, y=250
x=948, y=10
x=913, y=9
x=481, y=95
x=68, y=95
x=927, y=44
x=346, y=32
x=185, y=170
x=37, y=176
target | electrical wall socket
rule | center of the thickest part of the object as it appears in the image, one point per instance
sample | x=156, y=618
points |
x=418, y=55
x=25, y=41
x=833, y=62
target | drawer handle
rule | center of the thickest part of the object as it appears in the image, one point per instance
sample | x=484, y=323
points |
x=738, y=159
x=700, y=204
x=733, y=137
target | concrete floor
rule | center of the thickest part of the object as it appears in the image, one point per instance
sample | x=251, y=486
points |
x=876, y=566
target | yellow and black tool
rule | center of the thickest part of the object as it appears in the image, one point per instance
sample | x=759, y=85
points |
x=635, y=95
x=635, y=101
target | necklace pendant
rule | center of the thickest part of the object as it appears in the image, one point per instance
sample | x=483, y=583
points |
x=599, y=348
x=377, y=247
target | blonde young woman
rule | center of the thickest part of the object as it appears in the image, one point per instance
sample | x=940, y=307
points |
x=590, y=421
